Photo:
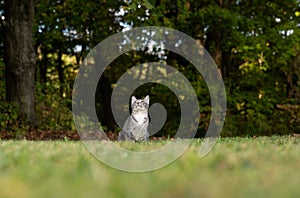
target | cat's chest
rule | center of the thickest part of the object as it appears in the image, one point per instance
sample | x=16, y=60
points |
x=140, y=118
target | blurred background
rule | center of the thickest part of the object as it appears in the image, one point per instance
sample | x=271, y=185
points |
x=255, y=44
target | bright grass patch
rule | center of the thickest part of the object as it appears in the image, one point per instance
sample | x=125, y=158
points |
x=236, y=167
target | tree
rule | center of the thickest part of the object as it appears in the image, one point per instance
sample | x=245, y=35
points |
x=73, y=27
x=20, y=55
x=255, y=45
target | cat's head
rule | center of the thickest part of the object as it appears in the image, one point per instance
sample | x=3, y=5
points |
x=139, y=105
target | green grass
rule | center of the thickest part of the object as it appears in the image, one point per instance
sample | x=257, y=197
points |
x=236, y=167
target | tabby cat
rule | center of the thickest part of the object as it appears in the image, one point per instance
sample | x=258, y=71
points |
x=136, y=125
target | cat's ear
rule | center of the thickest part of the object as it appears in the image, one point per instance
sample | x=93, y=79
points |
x=133, y=99
x=146, y=99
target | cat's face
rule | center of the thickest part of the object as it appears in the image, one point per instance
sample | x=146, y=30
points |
x=140, y=104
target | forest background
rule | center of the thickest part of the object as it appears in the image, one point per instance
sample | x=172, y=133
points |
x=255, y=44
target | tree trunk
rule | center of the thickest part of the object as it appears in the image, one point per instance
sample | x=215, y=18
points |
x=213, y=45
x=20, y=55
x=43, y=65
x=60, y=70
x=105, y=91
x=215, y=37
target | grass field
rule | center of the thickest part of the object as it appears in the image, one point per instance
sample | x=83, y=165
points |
x=236, y=167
